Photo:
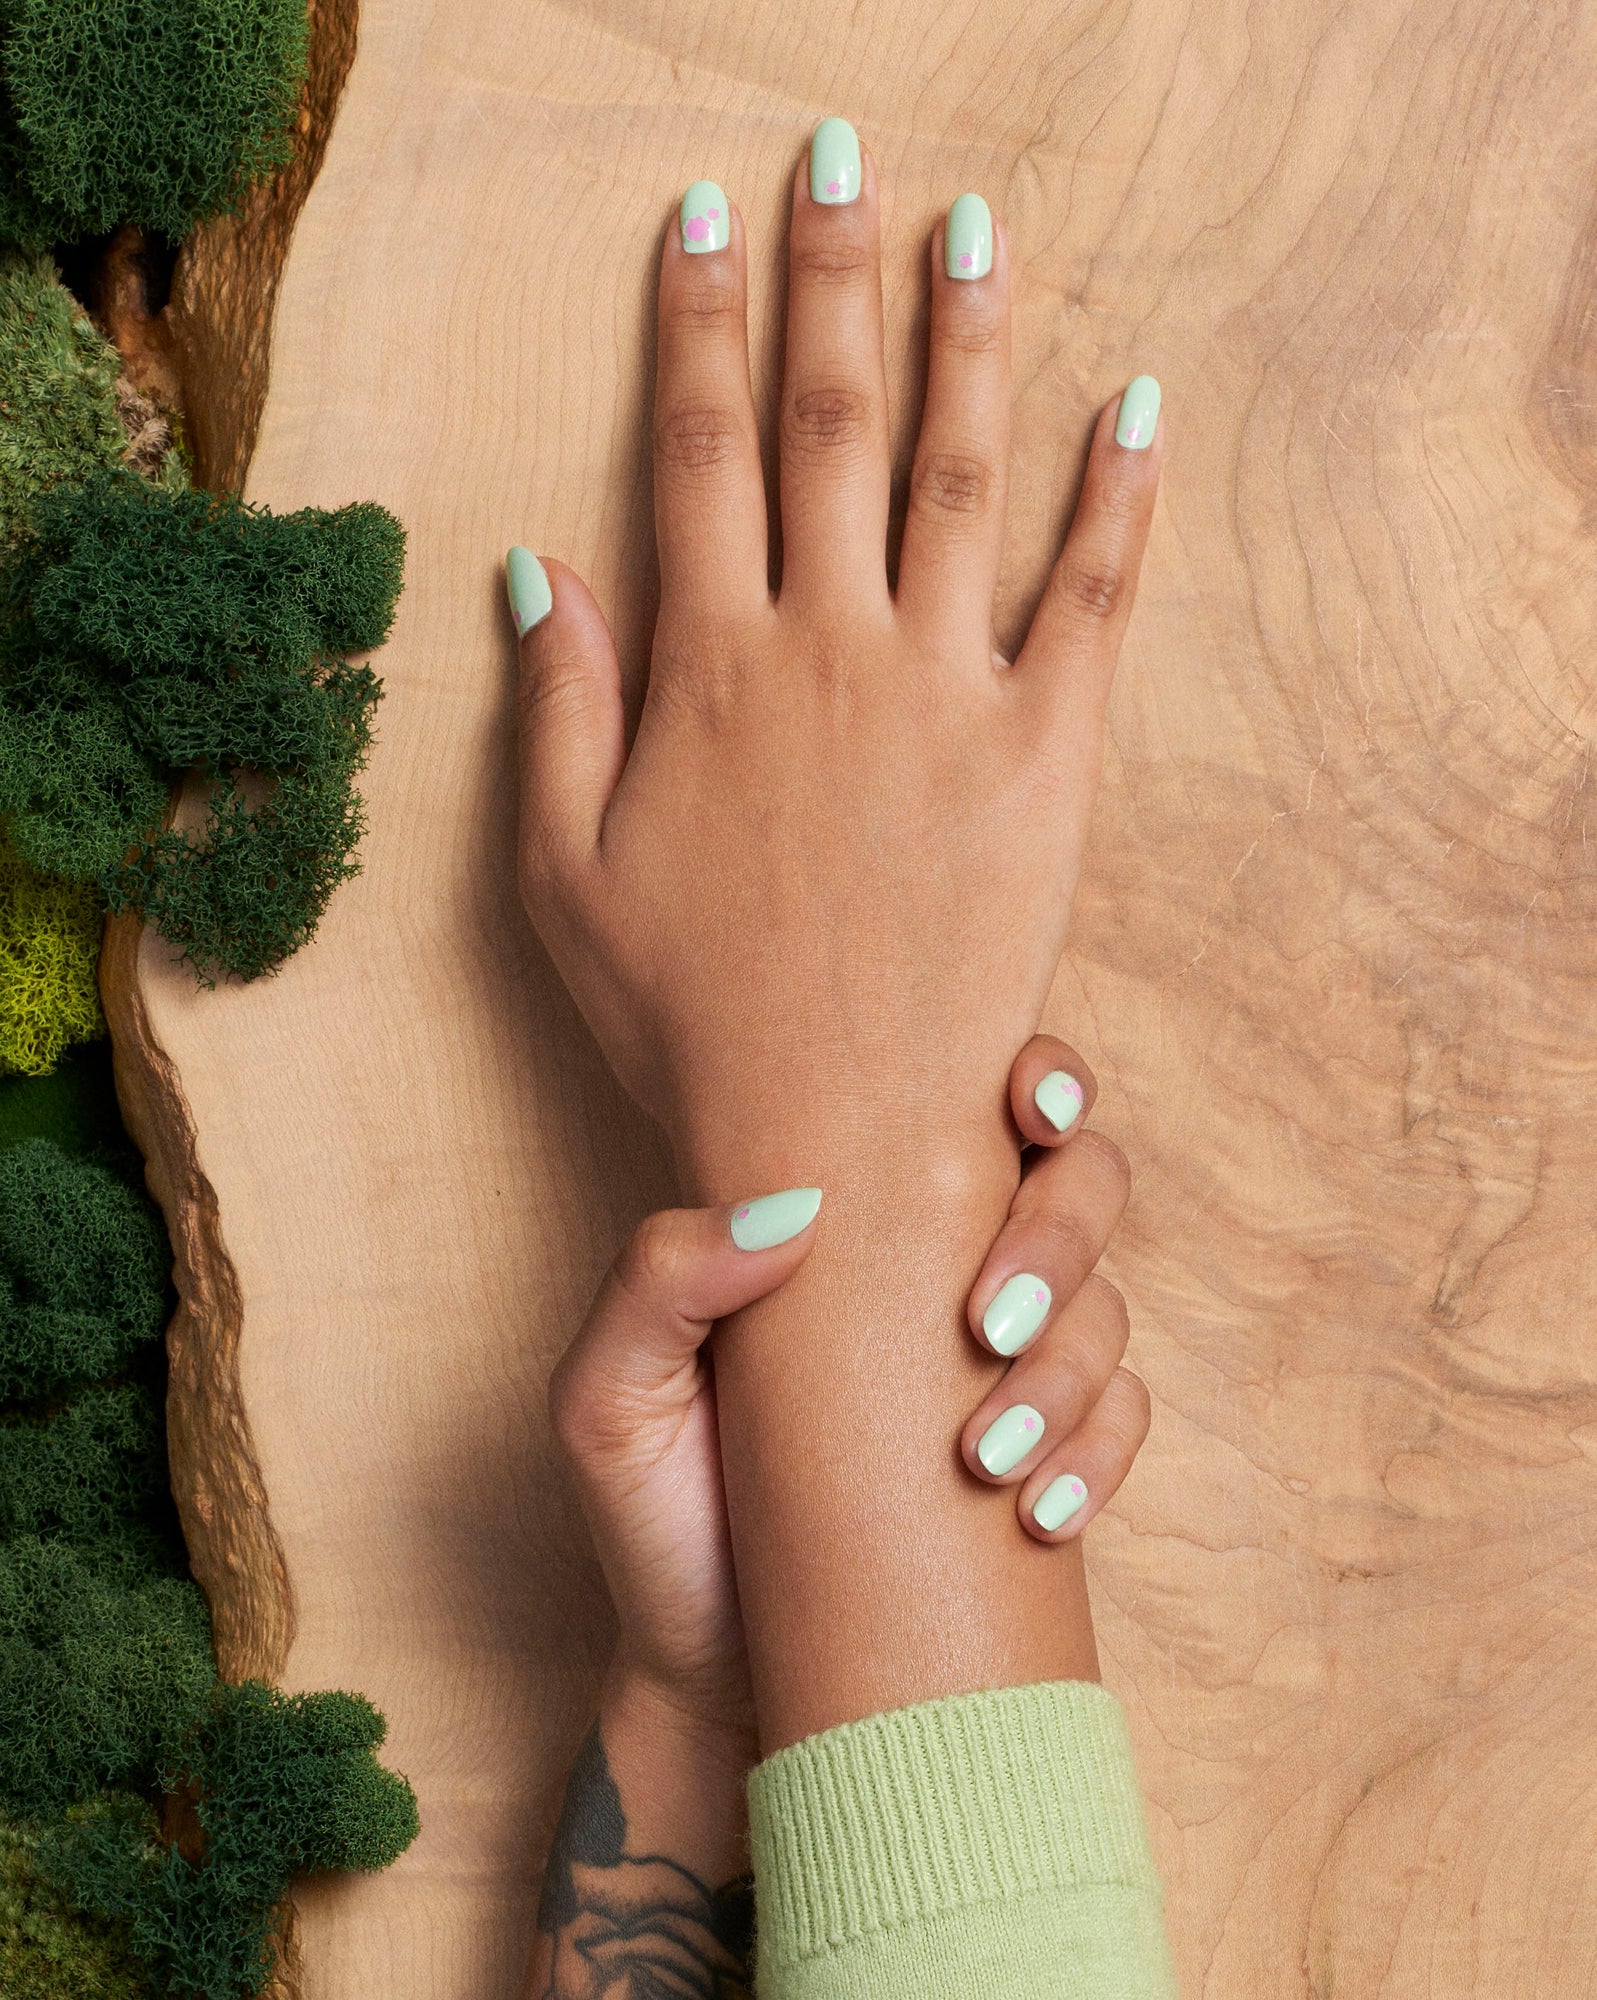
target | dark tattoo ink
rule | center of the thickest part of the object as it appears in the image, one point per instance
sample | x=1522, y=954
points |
x=634, y=1926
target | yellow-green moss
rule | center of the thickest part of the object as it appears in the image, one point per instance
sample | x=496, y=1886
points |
x=49, y=946
x=47, y=1950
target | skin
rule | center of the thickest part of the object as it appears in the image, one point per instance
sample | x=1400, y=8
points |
x=811, y=912
x=645, y=1889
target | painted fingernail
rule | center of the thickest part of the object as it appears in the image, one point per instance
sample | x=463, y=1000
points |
x=774, y=1218
x=1058, y=1500
x=968, y=239
x=1019, y=1308
x=1139, y=412
x=1059, y=1098
x=1008, y=1438
x=531, y=599
x=706, y=219
x=834, y=163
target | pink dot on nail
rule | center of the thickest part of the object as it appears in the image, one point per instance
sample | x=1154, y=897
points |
x=1078, y=1489
x=696, y=229
x=834, y=187
x=966, y=261
x=1042, y=1298
x=741, y=1213
x=714, y=214
x=1030, y=1424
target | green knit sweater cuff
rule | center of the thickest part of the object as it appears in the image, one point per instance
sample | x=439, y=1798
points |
x=1007, y=1821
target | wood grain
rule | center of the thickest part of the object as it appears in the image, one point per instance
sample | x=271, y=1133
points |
x=1333, y=959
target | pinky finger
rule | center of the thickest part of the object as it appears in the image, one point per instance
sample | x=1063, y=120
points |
x=1081, y=1475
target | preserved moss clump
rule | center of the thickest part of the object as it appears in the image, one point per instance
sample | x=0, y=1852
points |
x=89, y=1472
x=49, y=1951
x=82, y=1271
x=58, y=376
x=49, y=950
x=114, y=1730
x=144, y=633
x=156, y=112
x=283, y=1785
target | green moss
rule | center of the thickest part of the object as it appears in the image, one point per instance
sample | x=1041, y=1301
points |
x=158, y=112
x=144, y=633
x=75, y=1107
x=100, y=1664
x=83, y=1269
x=49, y=954
x=87, y=1472
x=58, y=375
x=47, y=1950
x=285, y=1785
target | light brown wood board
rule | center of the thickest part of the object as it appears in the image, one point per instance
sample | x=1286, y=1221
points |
x=1333, y=957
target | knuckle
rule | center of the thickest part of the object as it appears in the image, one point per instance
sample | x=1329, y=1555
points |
x=832, y=262
x=1109, y=1303
x=1106, y=1163
x=827, y=422
x=709, y=301
x=972, y=332
x=947, y=482
x=695, y=438
x=1131, y=1414
x=652, y=1266
x=1094, y=589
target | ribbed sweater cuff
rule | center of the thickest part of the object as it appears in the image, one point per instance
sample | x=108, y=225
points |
x=895, y=1824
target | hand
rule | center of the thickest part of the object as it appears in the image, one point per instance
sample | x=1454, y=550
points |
x=633, y=1399
x=819, y=902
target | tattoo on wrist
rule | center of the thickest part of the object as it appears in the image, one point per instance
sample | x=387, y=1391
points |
x=622, y=1926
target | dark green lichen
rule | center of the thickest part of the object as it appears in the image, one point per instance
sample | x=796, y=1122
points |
x=82, y=1271
x=144, y=633
x=281, y=1785
x=155, y=112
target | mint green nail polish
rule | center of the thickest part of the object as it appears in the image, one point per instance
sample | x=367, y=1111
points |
x=706, y=219
x=774, y=1218
x=1019, y=1307
x=1139, y=412
x=1008, y=1438
x=1059, y=1098
x=1058, y=1500
x=531, y=599
x=968, y=239
x=834, y=163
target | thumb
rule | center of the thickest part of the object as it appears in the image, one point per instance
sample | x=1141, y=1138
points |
x=572, y=738
x=684, y=1269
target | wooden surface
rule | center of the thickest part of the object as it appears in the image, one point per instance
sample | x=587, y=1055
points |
x=1333, y=957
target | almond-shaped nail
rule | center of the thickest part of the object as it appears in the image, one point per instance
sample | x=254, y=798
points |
x=968, y=238
x=1008, y=1438
x=1019, y=1307
x=706, y=219
x=834, y=163
x=1059, y=1098
x=774, y=1218
x=1139, y=414
x=1058, y=1501
x=527, y=585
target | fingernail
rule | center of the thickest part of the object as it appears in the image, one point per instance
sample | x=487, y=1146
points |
x=1059, y=1098
x=1139, y=412
x=1058, y=1500
x=968, y=239
x=1008, y=1438
x=834, y=163
x=706, y=219
x=1015, y=1314
x=774, y=1218
x=531, y=599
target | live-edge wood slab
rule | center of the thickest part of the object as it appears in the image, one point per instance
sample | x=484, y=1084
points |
x=1333, y=958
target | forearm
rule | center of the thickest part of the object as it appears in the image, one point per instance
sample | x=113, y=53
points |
x=646, y=1889
x=873, y=1570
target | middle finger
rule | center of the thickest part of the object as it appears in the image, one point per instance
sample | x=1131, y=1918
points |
x=834, y=446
